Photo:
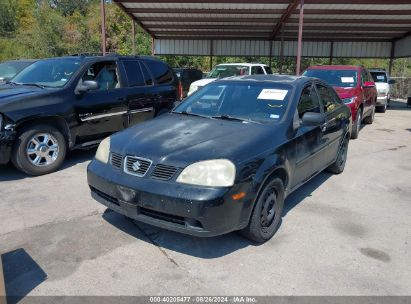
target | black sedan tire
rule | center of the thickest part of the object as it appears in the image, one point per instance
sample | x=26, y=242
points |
x=266, y=216
x=357, y=125
x=338, y=166
x=39, y=150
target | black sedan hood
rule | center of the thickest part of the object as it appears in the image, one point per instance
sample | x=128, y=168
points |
x=179, y=139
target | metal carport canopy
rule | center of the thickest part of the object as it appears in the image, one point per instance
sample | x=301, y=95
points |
x=330, y=28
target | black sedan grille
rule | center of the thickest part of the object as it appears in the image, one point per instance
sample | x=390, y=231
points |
x=136, y=166
x=163, y=172
x=163, y=216
x=116, y=160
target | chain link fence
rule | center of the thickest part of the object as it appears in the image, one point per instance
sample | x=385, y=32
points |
x=401, y=88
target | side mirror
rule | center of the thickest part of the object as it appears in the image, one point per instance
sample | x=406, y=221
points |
x=369, y=84
x=313, y=119
x=391, y=81
x=87, y=85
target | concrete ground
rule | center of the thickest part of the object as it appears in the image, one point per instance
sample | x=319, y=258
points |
x=340, y=235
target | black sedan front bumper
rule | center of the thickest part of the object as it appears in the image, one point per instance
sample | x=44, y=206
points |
x=7, y=139
x=199, y=211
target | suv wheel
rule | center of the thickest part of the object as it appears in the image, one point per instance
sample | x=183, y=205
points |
x=267, y=212
x=370, y=119
x=357, y=125
x=39, y=149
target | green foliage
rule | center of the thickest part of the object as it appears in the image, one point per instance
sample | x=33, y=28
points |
x=47, y=28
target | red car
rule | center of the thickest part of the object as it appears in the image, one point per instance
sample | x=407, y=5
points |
x=356, y=88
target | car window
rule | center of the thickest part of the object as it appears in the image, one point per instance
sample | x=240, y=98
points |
x=146, y=74
x=105, y=73
x=257, y=70
x=309, y=101
x=162, y=74
x=133, y=72
x=268, y=70
x=337, y=78
x=379, y=76
x=53, y=73
x=260, y=102
x=222, y=71
x=327, y=98
x=364, y=76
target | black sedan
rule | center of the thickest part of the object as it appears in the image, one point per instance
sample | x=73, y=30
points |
x=225, y=158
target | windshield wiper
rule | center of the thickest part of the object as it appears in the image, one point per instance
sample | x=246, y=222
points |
x=189, y=114
x=33, y=85
x=232, y=118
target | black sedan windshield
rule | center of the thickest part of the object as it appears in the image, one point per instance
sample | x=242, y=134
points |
x=336, y=78
x=236, y=100
x=49, y=73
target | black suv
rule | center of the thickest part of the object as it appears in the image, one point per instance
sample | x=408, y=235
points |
x=65, y=103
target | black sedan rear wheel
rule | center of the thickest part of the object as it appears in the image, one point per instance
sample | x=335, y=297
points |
x=266, y=216
x=339, y=165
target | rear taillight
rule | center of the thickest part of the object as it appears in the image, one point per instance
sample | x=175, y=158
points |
x=180, y=91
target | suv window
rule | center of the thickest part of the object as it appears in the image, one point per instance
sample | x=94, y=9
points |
x=133, y=72
x=146, y=74
x=364, y=76
x=160, y=71
x=257, y=70
x=105, y=73
x=379, y=76
x=309, y=101
x=327, y=97
x=268, y=70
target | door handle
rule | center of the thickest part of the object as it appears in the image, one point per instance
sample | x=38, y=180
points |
x=121, y=99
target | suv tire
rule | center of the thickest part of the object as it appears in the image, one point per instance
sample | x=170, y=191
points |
x=357, y=125
x=39, y=150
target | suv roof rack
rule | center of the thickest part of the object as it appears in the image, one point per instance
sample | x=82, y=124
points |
x=91, y=54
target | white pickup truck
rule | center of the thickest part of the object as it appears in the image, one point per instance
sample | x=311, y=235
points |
x=383, y=83
x=230, y=69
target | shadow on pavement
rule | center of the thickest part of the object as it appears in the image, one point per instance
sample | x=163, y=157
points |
x=9, y=173
x=21, y=274
x=205, y=248
x=398, y=105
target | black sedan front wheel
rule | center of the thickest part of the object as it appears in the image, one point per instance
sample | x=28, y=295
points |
x=338, y=166
x=266, y=216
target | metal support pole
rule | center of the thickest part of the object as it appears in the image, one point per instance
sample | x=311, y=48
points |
x=270, y=58
x=103, y=26
x=331, y=53
x=391, y=57
x=300, y=38
x=133, y=38
x=211, y=54
x=152, y=46
x=281, y=50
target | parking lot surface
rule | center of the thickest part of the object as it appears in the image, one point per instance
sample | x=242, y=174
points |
x=340, y=235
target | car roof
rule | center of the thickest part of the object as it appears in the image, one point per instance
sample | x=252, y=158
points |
x=288, y=79
x=243, y=63
x=334, y=67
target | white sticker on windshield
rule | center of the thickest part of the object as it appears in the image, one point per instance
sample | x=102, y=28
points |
x=347, y=79
x=272, y=94
x=380, y=77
